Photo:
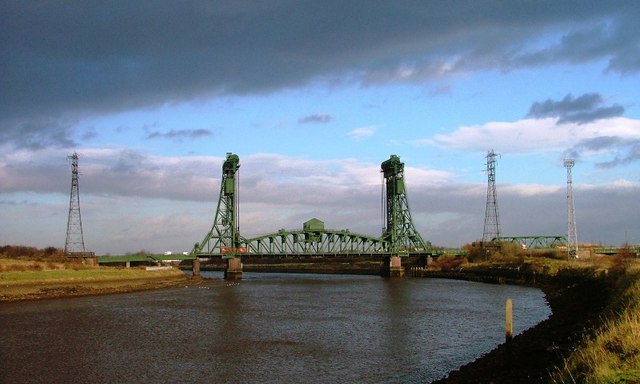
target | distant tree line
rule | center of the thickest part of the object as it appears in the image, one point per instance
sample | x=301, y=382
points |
x=31, y=253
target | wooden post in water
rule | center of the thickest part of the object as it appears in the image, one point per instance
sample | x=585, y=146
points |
x=508, y=320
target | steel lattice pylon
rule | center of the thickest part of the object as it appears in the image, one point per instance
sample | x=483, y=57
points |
x=572, y=234
x=74, y=243
x=491, y=216
x=400, y=232
x=223, y=238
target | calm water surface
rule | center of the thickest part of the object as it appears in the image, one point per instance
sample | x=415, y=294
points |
x=267, y=328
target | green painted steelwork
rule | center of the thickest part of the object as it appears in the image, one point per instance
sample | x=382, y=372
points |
x=223, y=238
x=400, y=238
x=452, y=252
x=142, y=258
x=533, y=242
x=319, y=242
x=399, y=232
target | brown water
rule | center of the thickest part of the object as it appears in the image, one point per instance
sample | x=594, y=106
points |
x=267, y=328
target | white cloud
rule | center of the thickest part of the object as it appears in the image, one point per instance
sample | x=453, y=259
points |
x=362, y=132
x=532, y=135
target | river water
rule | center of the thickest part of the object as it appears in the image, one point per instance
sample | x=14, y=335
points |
x=267, y=328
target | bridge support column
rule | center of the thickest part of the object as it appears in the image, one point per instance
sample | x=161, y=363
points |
x=233, y=269
x=392, y=267
x=195, y=268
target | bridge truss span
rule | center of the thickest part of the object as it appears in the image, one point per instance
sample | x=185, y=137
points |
x=531, y=242
x=320, y=243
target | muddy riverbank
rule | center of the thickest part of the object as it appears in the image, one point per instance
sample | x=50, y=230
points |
x=577, y=299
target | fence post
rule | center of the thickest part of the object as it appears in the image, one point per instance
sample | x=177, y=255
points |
x=508, y=320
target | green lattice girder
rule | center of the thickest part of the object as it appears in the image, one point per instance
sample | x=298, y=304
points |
x=532, y=242
x=323, y=242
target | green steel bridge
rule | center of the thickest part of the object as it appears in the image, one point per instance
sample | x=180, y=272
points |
x=400, y=236
x=532, y=242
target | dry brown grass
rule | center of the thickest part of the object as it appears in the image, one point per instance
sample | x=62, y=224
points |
x=612, y=353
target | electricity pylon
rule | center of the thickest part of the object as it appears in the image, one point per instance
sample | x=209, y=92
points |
x=74, y=244
x=572, y=234
x=491, y=216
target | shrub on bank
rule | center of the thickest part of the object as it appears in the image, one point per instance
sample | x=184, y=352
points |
x=447, y=263
x=32, y=253
x=18, y=258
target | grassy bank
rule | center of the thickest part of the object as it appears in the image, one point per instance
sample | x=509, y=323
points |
x=23, y=278
x=15, y=272
x=610, y=353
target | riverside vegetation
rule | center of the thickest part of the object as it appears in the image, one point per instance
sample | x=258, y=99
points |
x=593, y=335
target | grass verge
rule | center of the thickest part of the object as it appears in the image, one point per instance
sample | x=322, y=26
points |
x=611, y=354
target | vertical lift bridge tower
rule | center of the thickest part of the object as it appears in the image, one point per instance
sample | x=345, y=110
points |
x=224, y=237
x=400, y=232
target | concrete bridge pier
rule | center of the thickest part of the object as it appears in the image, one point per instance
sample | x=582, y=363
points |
x=233, y=269
x=392, y=267
x=195, y=268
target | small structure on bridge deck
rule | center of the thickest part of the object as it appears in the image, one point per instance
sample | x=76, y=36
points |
x=313, y=225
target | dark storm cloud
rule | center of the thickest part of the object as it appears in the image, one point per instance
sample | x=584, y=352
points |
x=316, y=118
x=37, y=133
x=68, y=60
x=624, y=151
x=581, y=110
x=180, y=134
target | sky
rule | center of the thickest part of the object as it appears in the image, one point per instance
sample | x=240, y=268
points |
x=313, y=96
